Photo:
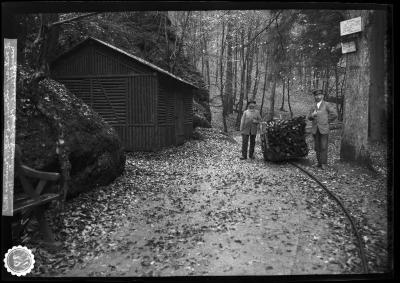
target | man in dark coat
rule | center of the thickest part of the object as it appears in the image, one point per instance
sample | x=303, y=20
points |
x=248, y=128
x=321, y=114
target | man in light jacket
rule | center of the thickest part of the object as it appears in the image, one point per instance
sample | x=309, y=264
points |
x=248, y=127
x=321, y=114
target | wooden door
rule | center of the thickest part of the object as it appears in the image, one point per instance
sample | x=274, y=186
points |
x=179, y=120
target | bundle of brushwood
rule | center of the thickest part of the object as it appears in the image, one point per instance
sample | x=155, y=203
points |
x=284, y=139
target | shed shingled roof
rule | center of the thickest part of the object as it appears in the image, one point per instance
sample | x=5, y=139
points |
x=140, y=60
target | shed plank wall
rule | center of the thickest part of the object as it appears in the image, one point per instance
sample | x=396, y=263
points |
x=141, y=100
x=96, y=60
x=128, y=104
x=166, y=115
x=141, y=114
x=107, y=97
x=141, y=107
x=188, y=113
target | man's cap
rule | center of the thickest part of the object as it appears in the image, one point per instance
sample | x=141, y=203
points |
x=317, y=92
x=251, y=101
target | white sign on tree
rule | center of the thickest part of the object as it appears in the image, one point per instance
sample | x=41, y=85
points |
x=350, y=26
x=348, y=47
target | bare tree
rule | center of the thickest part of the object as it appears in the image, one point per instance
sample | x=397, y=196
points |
x=266, y=60
x=229, y=68
x=221, y=76
x=283, y=95
x=257, y=75
x=288, y=97
x=242, y=80
x=179, y=43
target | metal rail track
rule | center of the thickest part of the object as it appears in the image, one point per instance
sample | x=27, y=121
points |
x=356, y=233
x=360, y=243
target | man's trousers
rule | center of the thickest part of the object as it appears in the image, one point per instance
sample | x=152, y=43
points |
x=245, y=143
x=321, y=147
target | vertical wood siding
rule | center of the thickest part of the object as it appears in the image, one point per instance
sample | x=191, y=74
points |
x=188, y=130
x=80, y=87
x=166, y=135
x=141, y=101
x=166, y=109
x=188, y=112
x=96, y=60
x=188, y=104
x=170, y=98
x=136, y=138
x=74, y=65
x=166, y=106
x=106, y=96
x=109, y=99
x=140, y=106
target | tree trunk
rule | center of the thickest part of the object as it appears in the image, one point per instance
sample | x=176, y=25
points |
x=342, y=93
x=167, y=49
x=202, y=64
x=309, y=78
x=288, y=97
x=305, y=77
x=354, y=144
x=45, y=44
x=283, y=95
x=337, y=90
x=274, y=77
x=272, y=99
x=327, y=81
x=207, y=65
x=235, y=77
x=221, y=75
x=265, y=82
x=216, y=67
x=257, y=76
x=179, y=43
x=249, y=62
x=300, y=70
x=242, y=82
x=229, y=71
x=377, y=105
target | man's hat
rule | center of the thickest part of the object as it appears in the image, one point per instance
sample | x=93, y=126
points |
x=317, y=92
x=251, y=101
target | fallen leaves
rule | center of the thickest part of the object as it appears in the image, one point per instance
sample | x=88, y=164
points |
x=166, y=202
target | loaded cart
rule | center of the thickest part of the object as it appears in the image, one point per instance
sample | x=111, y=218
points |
x=283, y=140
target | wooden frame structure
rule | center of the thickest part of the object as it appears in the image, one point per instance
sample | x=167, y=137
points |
x=147, y=106
x=32, y=200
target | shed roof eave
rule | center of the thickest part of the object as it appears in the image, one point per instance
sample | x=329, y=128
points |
x=138, y=59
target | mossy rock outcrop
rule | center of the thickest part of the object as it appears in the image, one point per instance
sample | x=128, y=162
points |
x=94, y=149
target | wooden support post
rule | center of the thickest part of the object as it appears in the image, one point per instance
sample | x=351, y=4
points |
x=45, y=230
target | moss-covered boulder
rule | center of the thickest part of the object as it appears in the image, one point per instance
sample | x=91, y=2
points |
x=94, y=149
x=200, y=118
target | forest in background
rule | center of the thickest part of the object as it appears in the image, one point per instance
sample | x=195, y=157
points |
x=272, y=56
x=264, y=55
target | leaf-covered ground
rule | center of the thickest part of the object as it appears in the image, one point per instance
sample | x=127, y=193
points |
x=199, y=210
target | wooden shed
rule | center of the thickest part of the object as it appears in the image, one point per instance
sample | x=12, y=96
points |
x=148, y=106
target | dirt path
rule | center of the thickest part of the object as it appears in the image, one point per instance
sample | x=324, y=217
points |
x=199, y=210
